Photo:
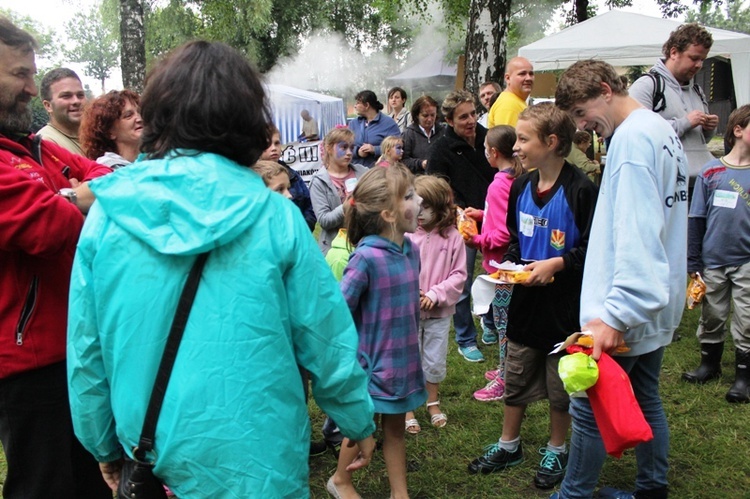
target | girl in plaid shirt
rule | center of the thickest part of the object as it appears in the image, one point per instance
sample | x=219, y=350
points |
x=381, y=287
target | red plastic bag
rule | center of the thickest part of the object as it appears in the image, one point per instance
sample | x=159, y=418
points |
x=617, y=413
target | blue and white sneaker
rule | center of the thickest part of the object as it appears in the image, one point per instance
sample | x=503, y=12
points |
x=472, y=354
x=489, y=335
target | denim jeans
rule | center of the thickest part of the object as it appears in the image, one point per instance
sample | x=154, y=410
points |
x=587, y=452
x=463, y=322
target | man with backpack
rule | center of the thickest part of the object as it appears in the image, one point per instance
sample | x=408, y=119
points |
x=668, y=89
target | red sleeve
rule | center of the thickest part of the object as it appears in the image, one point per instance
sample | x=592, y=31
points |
x=81, y=168
x=35, y=220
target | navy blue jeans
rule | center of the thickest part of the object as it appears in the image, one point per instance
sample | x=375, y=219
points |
x=463, y=322
x=587, y=452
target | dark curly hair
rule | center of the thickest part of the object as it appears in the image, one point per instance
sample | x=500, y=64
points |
x=686, y=35
x=205, y=97
x=99, y=116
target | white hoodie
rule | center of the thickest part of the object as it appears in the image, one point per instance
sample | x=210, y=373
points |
x=634, y=275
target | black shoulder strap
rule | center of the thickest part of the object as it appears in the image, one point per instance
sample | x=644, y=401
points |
x=36, y=148
x=146, y=442
x=658, y=102
x=698, y=90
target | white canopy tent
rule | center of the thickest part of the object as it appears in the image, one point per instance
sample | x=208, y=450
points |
x=430, y=72
x=287, y=103
x=628, y=39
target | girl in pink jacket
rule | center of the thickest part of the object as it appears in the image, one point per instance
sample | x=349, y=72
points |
x=493, y=241
x=441, y=280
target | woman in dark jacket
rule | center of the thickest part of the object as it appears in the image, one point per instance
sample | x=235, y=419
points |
x=421, y=134
x=458, y=156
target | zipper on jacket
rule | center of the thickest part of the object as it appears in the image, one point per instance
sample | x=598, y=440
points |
x=36, y=149
x=28, y=308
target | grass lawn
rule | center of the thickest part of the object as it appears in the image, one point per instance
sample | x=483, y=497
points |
x=709, y=457
x=710, y=438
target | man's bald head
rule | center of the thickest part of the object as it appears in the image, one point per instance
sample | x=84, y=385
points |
x=519, y=77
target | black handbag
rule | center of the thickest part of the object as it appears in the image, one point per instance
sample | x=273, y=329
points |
x=137, y=479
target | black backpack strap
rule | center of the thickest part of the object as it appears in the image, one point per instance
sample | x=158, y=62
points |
x=146, y=442
x=659, y=101
x=698, y=90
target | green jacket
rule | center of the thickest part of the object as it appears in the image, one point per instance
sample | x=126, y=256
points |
x=234, y=421
x=338, y=256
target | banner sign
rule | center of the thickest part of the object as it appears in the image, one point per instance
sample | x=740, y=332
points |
x=303, y=157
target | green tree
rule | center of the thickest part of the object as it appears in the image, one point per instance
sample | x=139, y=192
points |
x=490, y=29
x=730, y=15
x=95, y=44
x=132, y=44
x=269, y=30
x=169, y=26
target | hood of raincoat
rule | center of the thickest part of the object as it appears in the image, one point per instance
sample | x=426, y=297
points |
x=187, y=203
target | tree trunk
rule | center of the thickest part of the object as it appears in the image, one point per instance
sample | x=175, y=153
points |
x=486, y=42
x=582, y=10
x=132, y=45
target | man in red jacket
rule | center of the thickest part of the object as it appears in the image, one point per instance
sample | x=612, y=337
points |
x=43, y=195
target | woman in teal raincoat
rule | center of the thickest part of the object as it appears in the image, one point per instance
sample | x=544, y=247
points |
x=234, y=421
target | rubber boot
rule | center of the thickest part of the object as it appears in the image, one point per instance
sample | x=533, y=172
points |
x=740, y=391
x=710, y=367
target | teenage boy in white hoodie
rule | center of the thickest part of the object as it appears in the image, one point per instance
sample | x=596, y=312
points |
x=634, y=275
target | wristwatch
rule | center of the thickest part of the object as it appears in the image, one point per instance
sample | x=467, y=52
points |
x=69, y=194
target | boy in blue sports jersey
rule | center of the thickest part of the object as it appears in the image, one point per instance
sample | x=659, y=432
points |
x=549, y=216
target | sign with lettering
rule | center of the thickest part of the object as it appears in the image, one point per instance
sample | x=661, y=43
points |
x=304, y=157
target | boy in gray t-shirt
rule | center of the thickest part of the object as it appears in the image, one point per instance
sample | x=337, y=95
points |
x=719, y=248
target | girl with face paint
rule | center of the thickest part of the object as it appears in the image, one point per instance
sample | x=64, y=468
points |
x=381, y=287
x=441, y=280
x=331, y=186
x=393, y=151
